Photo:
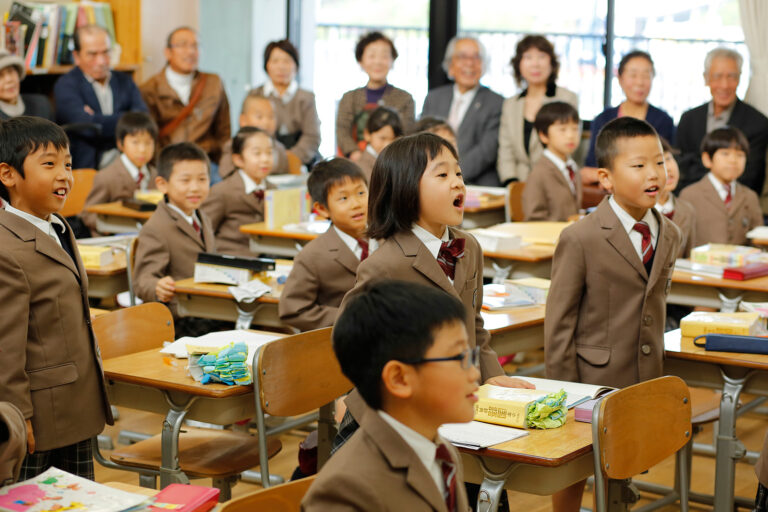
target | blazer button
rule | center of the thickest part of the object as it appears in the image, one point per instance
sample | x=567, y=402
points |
x=646, y=349
x=647, y=319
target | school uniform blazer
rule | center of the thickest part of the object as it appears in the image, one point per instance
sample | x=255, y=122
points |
x=717, y=224
x=547, y=194
x=376, y=470
x=353, y=102
x=207, y=125
x=514, y=162
x=604, y=321
x=685, y=218
x=693, y=127
x=478, y=137
x=366, y=165
x=322, y=273
x=168, y=246
x=73, y=92
x=52, y=366
x=299, y=115
x=227, y=208
x=112, y=183
x=227, y=166
x=403, y=257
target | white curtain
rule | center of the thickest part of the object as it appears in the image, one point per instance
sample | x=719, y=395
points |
x=754, y=21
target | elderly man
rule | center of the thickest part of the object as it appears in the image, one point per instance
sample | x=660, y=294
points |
x=722, y=70
x=93, y=94
x=472, y=110
x=188, y=105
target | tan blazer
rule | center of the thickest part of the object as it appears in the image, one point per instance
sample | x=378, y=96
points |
x=404, y=257
x=513, y=161
x=322, y=273
x=685, y=218
x=353, y=102
x=228, y=207
x=52, y=369
x=208, y=124
x=376, y=470
x=717, y=224
x=366, y=165
x=604, y=321
x=168, y=246
x=13, y=443
x=227, y=166
x=547, y=194
x=112, y=183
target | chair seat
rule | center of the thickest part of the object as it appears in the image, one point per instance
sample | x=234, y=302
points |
x=203, y=453
x=705, y=405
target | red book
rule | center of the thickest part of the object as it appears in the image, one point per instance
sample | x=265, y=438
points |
x=193, y=498
x=750, y=271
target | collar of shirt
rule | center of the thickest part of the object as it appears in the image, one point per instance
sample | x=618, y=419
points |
x=46, y=226
x=431, y=241
x=424, y=448
x=371, y=151
x=628, y=223
x=353, y=245
x=13, y=109
x=722, y=190
x=290, y=92
x=562, y=166
x=667, y=207
x=720, y=120
x=103, y=93
x=180, y=83
x=134, y=171
x=250, y=185
x=188, y=218
x=464, y=101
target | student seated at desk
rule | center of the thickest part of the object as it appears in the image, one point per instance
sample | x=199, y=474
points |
x=553, y=189
x=383, y=126
x=52, y=369
x=177, y=232
x=415, y=371
x=725, y=209
x=239, y=199
x=675, y=209
x=325, y=269
x=257, y=112
x=611, y=273
x=136, y=134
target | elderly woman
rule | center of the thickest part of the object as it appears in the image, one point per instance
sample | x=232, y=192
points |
x=471, y=110
x=298, y=127
x=535, y=67
x=13, y=104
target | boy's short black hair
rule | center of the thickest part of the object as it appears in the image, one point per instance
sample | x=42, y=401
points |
x=132, y=123
x=327, y=173
x=372, y=37
x=554, y=112
x=20, y=136
x=179, y=152
x=724, y=138
x=243, y=134
x=253, y=95
x=285, y=45
x=389, y=320
x=393, y=201
x=384, y=116
x=431, y=124
x=620, y=128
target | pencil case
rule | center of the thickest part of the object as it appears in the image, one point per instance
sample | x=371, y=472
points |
x=732, y=343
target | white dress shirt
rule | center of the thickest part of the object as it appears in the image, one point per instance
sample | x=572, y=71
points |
x=134, y=172
x=270, y=90
x=722, y=190
x=459, y=106
x=563, y=167
x=432, y=243
x=46, y=226
x=628, y=222
x=250, y=185
x=180, y=83
x=668, y=206
x=353, y=245
x=188, y=218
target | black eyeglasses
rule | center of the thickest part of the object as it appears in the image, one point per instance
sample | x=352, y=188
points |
x=468, y=358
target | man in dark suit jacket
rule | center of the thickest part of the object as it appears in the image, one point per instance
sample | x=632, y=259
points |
x=91, y=93
x=722, y=70
x=475, y=111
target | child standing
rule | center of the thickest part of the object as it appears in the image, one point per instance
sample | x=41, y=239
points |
x=382, y=128
x=52, y=368
x=725, y=209
x=675, y=209
x=553, y=189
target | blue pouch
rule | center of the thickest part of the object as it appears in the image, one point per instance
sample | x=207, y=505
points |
x=732, y=343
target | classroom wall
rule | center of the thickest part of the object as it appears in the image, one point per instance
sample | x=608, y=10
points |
x=157, y=21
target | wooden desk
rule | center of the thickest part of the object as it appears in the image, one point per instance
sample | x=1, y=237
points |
x=533, y=260
x=491, y=211
x=278, y=242
x=690, y=289
x=515, y=329
x=116, y=218
x=732, y=373
x=109, y=280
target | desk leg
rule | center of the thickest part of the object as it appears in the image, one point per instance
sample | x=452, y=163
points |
x=490, y=490
x=170, y=471
x=728, y=305
x=244, y=318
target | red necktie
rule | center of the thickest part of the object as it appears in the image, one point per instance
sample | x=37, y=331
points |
x=447, y=466
x=646, y=247
x=258, y=193
x=139, y=179
x=728, y=196
x=196, y=226
x=364, y=246
x=670, y=214
x=572, y=176
x=450, y=251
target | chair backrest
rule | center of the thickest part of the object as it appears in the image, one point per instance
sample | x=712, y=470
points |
x=637, y=427
x=299, y=373
x=280, y=498
x=133, y=329
x=80, y=190
x=515, y=201
x=294, y=163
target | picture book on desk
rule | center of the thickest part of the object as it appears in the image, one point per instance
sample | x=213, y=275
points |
x=56, y=490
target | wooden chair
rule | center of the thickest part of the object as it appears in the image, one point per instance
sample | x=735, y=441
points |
x=294, y=163
x=279, y=498
x=296, y=375
x=203, y=453
x=80, y=190
x=634, y=429
x=515, y=201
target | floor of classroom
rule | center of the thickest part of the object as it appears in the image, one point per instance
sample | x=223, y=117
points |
x=750, y=428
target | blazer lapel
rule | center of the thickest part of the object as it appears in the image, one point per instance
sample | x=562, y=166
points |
x=423, y=261
x=184, y=226
x=473, y=110
x=555, y=172
x=90, y=95
x=663, y=243
x=340, y=252
x=461, y=271
x=618, y=238
x=709, y=192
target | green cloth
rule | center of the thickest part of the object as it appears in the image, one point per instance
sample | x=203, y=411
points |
x=548, y=411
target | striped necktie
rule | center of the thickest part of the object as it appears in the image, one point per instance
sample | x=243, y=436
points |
x=447, y=466
x=449, y=253
x=646, y=247
x=364, y=248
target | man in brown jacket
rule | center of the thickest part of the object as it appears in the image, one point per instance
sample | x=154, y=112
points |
x=188, y=105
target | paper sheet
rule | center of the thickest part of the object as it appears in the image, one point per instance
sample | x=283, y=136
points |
x=217, y=340
x=476, y=435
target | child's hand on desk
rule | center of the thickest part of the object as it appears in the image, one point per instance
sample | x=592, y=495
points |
x=165, y=288
x=30, y=437
x=510, y=382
